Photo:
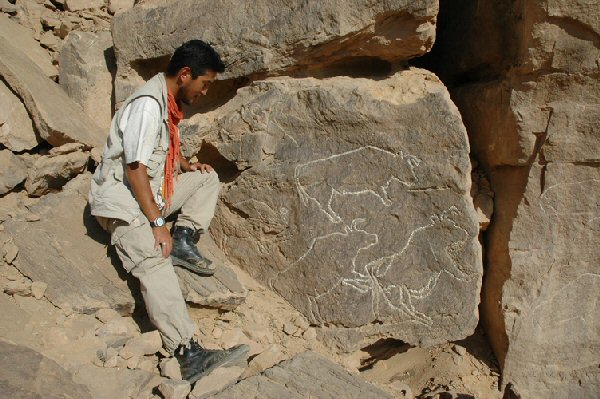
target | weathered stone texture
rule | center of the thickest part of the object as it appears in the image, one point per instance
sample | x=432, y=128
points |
x=355, y=206
x=16, y=128
x=67, y=250
x=535, y=128
x=54, y=171
x=306, y=375
x=86, y=65
x=22, y=38
x=27, y=374
x=273, y=36
x=56, y=117
x=12, y=171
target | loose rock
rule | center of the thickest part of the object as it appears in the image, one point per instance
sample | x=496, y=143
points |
x=175, y=389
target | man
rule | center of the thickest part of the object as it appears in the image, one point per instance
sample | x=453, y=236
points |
x=137, y=185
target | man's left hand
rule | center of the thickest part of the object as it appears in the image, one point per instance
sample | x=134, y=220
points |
x=202, y=167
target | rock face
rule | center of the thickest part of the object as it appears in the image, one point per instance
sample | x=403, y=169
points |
x=56, y=117
x=58, y=250
x=12, y=171
x=22, y=38
x=27, y=374
x=53, y=171
x=306, y=375
x=535, y=129
x=16, y=128
x=354, y=205
x=272, y=36
x=86, y=65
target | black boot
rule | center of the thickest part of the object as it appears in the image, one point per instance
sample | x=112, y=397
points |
x=186, y=254
x=196, y=362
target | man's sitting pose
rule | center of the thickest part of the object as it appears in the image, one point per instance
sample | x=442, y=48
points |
x=138, y=184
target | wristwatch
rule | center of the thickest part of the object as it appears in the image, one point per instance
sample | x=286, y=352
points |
x=158, y=222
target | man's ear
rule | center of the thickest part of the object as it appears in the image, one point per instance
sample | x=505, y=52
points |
x=184, y=74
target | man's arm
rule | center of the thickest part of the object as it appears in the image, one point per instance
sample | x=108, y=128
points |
x=137, y=175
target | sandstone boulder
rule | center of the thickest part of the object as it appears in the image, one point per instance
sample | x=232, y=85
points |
x=306, y=375
x=22, y=38
x=353, y=203
x=111, y=383
x=116, y=6
x=54, y=171
x=27, y=374
x=67, y=250
x=56, y=117
x=223, y=290
x=86, y=64
x=16, y=128
x=78, y=5
x=12, y=171
x=533, y=120
x=272, y=36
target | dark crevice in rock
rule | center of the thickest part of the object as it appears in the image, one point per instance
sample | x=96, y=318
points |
x=354, y=67
x=226, y=169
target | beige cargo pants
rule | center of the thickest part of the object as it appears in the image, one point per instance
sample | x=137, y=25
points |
x=195, y=194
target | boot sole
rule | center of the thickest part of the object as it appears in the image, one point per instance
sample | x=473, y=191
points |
x=235, y=357
x=192, y=267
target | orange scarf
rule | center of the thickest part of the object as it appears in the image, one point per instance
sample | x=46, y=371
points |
x=172, y=163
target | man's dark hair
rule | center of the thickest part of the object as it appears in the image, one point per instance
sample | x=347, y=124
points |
x=199, y=56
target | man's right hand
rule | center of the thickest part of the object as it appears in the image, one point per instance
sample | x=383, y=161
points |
x=137, y=175
x=163, y=240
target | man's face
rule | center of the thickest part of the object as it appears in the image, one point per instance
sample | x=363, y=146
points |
x=191, y=89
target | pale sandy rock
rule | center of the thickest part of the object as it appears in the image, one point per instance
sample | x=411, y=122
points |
x=346, y=185
x=106, y=315
x=9, y=272
x=169, y=368
x=116, y=326
x=533, y=121
x=57, y=118
x=12, y=171
x=86, y=65
x=273, y=36
x=264, y=360
x=50, y=173
x=20, y=287
x=560, y=108
x=146, y=344
x=306, y=375
x=10, y=251
x=16, y=128
x=66, y=149
x=215, y=382
x=223, y=290
x=38, y=289
x=7, y=7
x=175, y=389
x=28, y=374
x=116, y=6
x=148, y=363
x=50, y=41
x=73, y=261
x=78, y=5
x=111, y=383
x=22, y=38
x=545, y=242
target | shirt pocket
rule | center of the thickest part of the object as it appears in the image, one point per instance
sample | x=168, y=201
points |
x=156, y=162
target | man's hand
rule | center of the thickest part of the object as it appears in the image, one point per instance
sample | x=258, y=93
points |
x=202, y=167
x=162, y=240
x=192, y=167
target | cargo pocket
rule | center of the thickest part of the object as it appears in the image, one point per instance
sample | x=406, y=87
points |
x=156, y=163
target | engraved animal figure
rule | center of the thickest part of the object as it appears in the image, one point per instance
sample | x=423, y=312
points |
x=354, y=172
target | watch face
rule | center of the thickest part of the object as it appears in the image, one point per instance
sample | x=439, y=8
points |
x=159, y=222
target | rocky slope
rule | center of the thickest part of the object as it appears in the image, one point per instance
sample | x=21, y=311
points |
x=355, y=201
